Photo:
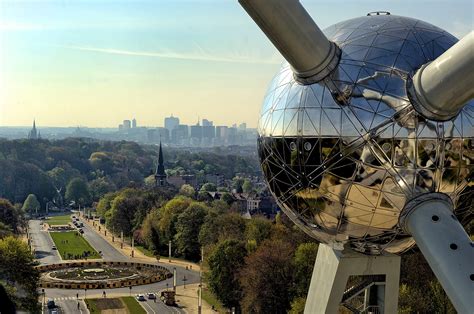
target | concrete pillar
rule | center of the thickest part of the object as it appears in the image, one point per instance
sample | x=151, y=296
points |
x=332, y=270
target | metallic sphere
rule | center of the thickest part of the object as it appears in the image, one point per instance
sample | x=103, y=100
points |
x=344, y=155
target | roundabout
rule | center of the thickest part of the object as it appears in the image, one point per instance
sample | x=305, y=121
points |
x=100, y=274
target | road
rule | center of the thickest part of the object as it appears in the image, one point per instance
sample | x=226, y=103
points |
x=42, y=244
x=66, y=299
x=109, y=253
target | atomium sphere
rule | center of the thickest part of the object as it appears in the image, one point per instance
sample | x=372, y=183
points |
x=344, y=155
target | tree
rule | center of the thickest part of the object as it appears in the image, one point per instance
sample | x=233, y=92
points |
x=247, y=186
x=187, y=190
x=169, y=215
x=77, y=191
x=209, y=187
x=305, y=256
x=266, y=278
x=31, y=204
x=151, y=231
x=99, y=187
x=258, y=229
x=224, y=263
x=188, y=224
x=221, y=227
x=10, y=216
x=17, y=271
x=297, y=305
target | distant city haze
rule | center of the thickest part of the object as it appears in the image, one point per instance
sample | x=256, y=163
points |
x=96, y=63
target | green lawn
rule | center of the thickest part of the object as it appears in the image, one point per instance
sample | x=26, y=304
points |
x=73, y=243
x=133, y=305
x=59, y=220
x=92, y=306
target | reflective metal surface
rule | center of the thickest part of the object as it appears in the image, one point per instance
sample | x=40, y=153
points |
x=344, y=155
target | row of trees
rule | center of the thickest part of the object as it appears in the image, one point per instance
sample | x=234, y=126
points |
x=260, y=265
x=46, y=168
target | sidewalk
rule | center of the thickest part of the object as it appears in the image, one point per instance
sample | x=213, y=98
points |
x=127, y=249
x=188, y=299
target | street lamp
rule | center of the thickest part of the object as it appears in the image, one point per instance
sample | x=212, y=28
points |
x=85, y=293
x=130, y=288
x=169, y=251
x=184, y=281
x=44, y=296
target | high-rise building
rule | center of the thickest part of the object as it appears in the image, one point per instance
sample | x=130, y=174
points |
x=171, y=122
x=206, y=122
x=179, y=134
x=208, y=131
x=196, y=131
x=134, y=123
x=127, y=124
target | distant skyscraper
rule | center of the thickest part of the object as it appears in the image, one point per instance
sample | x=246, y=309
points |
x=206, y=122
x=171, y=123
x=33, y=134
x=127, y=124
x=196, y=131
x=134, y=123
x=160, y=175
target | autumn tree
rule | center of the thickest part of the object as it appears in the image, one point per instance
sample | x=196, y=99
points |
x=267, y=277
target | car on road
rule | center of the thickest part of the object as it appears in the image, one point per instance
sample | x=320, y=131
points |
x=81, y=231
x=50, y=304
x=53, y=248
x=81, y=224
x=53, y=311
x=140, y=297
x=151, y=296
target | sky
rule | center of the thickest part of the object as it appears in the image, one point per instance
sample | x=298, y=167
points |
x=95, y=63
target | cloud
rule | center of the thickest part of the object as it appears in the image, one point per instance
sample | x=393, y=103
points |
x=201, y=55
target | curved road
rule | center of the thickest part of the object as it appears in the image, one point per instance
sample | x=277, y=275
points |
x=67, y=298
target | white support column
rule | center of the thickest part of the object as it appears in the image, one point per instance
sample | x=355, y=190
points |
x=332, y=270
x=445, y=244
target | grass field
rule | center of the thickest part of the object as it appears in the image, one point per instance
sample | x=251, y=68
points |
x=59, y=220
x=72, y=243
x=133, y=305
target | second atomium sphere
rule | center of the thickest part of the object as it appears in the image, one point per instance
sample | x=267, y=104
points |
x=344, y=155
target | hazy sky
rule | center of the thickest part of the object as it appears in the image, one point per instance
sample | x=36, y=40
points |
x=95, y=63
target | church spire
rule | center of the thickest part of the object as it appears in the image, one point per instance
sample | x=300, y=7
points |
x=160, y=175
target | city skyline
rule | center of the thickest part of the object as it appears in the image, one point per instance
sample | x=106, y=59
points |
x=91, y=64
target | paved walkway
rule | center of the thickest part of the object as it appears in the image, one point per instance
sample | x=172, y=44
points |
x=188, y=299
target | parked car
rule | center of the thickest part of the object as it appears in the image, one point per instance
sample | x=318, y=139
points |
x=81, y=231
x=81, y=224
x=54, y=248
x=140, y=297
x=151, y=296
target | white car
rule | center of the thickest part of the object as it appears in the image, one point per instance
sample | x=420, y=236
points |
x=151, y=296
x=140, y=297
